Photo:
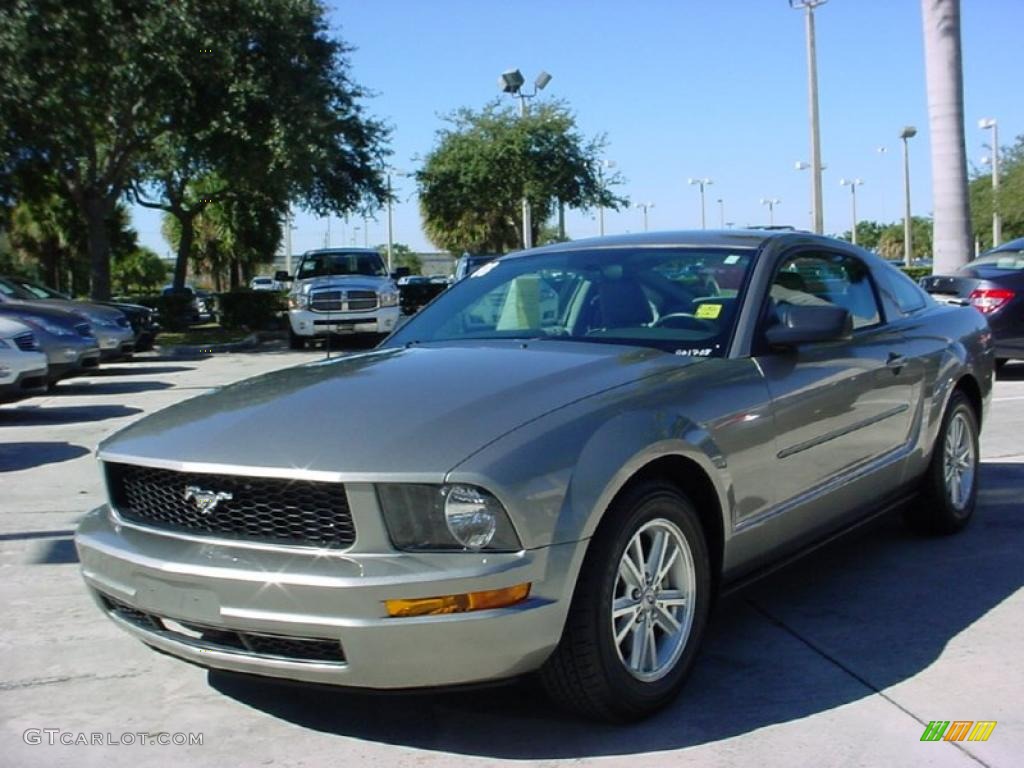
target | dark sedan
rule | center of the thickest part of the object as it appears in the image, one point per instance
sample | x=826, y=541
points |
x=994, y=285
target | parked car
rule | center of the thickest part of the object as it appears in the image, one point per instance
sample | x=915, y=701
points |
x=195, y=306
x=105, y=317
x=22, y=365
x=340, y=291
x=65, y=337
x=263, y=283
x=571, y=484
x=994, y=285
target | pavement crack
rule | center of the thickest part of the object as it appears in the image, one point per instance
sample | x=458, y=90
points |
x=56, y=680
x=776, y=621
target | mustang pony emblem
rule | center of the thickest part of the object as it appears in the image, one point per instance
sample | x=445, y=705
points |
x=205, y=501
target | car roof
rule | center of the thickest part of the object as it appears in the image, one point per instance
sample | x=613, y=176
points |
x=374, y=251
x=720, y=238
x=1012, y=245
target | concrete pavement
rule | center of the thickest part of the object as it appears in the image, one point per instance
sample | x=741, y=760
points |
x=841, y=659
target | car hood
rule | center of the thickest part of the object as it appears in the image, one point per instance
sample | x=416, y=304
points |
x=345, y=282
x=43, y=311
x=415, y=412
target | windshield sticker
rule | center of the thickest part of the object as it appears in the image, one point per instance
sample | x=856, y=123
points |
x=734, y=259
x=694, y=352
x=484, y=269
x=708, y=311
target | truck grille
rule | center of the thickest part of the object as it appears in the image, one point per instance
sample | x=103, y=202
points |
x=342, y=301
x=26, y=342
x=270, y=510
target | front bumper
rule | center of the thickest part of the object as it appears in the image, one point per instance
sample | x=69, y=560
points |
x=297, y=594
x=24, y=384
x=115, y=342
x=321, y=324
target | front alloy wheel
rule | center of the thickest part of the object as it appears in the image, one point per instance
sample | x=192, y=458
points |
x=639, y=611
x=652, y=611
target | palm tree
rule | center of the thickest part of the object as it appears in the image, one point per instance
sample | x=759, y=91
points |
x=945, y=80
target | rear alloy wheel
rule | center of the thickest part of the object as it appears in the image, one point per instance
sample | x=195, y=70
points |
x=639, y=612
x=950, y=489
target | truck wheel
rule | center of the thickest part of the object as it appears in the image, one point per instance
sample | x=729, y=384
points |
x=294, y=341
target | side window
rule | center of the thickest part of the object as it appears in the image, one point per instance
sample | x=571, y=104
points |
x=828, y=278
x=901, y=290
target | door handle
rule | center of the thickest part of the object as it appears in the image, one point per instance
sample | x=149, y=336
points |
x=895, y=361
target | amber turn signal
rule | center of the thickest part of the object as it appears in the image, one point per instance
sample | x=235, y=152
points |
x=472, y=601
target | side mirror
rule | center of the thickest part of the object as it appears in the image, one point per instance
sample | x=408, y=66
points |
x=401, y=272
x=807, y=324
x=282, y=277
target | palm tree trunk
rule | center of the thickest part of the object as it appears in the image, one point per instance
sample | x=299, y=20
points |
x=944, y=72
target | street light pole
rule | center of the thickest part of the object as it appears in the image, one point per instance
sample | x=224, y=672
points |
x=812, y=99
x=771, y=202
x=609, y=164
x=852, y=184
x=721, y=213
x=645, y=207
x=907, y=133
x=989, y=123
x=511, y=82
x=705, y=182
x=391, y=222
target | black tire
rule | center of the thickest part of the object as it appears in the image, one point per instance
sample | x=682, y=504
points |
x=585, y=673
x=936, y=511
x=1000, y=362
x=295, y=341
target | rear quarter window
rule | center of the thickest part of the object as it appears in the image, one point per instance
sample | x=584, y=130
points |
x=900, y=290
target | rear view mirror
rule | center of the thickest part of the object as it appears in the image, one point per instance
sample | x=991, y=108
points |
x=807, y=324
x=282, y=277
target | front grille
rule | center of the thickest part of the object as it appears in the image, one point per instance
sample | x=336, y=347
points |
x=83, y=329
x=361, y=300
x=26, y=342
x=342, y=301
x=271, y=510
x=325, y=301
x=229, y=640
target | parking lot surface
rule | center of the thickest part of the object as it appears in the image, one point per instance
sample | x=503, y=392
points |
x=840, y=659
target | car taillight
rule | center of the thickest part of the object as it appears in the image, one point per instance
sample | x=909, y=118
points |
x=989, y=300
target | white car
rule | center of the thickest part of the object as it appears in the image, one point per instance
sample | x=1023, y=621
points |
x=23, y=367
x=265, y=284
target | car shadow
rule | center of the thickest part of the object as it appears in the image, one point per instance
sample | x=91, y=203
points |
x=75, y=387
x=140, y=370
x=39, y=416
x=18, y=456
x=775, y=652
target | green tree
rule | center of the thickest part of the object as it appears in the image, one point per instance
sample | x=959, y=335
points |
x=401, y=256
x=869, y=233
x=139, y=271
x=83, y=83
x=266, y=114
x=158, y=94
x=890, y=241
x=472, y=183
x=1011, y=196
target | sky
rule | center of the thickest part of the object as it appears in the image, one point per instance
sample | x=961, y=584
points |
x=679, y=89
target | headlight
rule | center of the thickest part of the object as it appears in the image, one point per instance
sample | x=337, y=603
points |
x=53, y=328
x=298, y=301
x=449, y=517
x=389, y=299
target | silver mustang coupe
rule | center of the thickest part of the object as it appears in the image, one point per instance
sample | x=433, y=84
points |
x=553, y=468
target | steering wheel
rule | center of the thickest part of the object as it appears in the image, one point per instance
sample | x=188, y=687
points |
x=686, y=321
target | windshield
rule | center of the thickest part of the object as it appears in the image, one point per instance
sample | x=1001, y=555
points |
x=678, y=300
x=1009, y=260
x=340, y=263
x=15, y=291
x=40, y=292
